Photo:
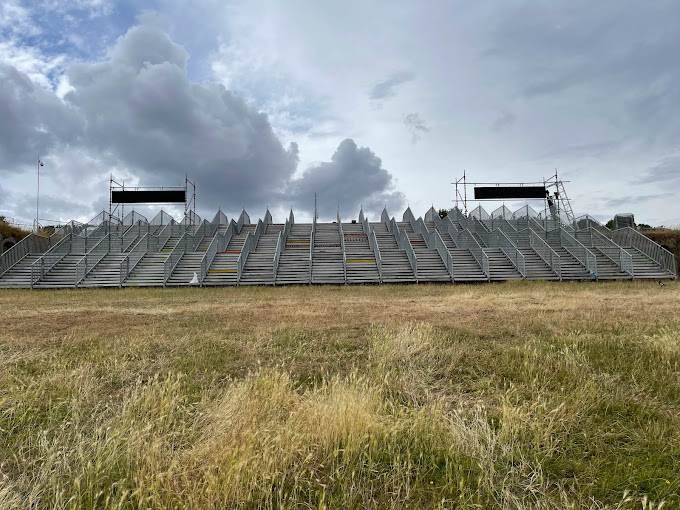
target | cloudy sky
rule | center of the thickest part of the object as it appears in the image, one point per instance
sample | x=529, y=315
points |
x=376, y=103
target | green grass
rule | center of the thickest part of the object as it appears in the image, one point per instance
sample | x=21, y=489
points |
x=527, y=395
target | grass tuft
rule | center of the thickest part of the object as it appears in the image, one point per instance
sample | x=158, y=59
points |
x=523, y=396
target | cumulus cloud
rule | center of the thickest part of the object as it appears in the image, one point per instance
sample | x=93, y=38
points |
x=140, y=105
x=354, y=177
x=34, y=120
x=388, y=87
x=136, y=113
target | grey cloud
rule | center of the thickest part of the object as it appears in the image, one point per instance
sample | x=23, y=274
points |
x=137, y=114
x=33, y=120
x=665, y=171
x=140, y=106
x=584, y=150
x=617, y=59
x=416, y=126
x=387, y=88
x=354, y=177
x=504, y=120
x=631, y=200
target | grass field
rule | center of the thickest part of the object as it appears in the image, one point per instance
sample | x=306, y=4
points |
x=527, y=395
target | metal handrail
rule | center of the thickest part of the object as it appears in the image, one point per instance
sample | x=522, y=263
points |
x=501, y=239
x=537, y=226
x=243, y=256
x=434, y=242
x=218, y=244
x=52, y=256
x=91, y=258
x=469, y=242
x=130, y=236
x=625, y=259
x=475, y=225
x=249, y=245
x=443, y=251
x=373, y=243
x=277, y=254
x=176, y=255
x=32, y=243
x=459, y=217
x=311, y=248
x=579, y=251
x=507, y=227
x=199, y=235
x=136, y=253
x=629, y=237
x=404, y=243
x=543, y=249
x=342, y=246
x=281, y=243
x=161, y=239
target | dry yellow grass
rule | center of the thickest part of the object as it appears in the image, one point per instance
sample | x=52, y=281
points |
x=527, y=395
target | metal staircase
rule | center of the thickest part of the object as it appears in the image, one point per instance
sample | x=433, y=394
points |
x=327, y=257
x=259, y=268
x=461, y=247
x=465, y=266
x=361, y=263
x=150, y=270
x=224, y=268
x=431, y=268
x=294, y=263
x=396, y=267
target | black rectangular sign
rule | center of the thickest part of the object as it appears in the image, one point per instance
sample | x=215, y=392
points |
x=165, y=196
x=509, y=192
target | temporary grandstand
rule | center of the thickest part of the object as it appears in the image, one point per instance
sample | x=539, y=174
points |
x=474, y=247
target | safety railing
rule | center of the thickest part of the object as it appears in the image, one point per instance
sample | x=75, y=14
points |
x=218, y=244
x=543, y=249
x=504, y=225
x=93, y=235
x=198, y=235
x=136, y=253
x=93, y=257
x=30, y=245
x=311, y=248
x=373, y=243
x=579, y=251
x=131, y=235
x=248, y=245
x=630, y=238
x=342, y=247
x=475, y=225
x=535, y=225
x=466, y=240
x=158, y=241
x=500, y=238
x=277, y=254
x=404, y=243
x=438, y=244
x=281, y=243
x=50, y=258
x=434, y=241
x=185, y=242
x=622, y=258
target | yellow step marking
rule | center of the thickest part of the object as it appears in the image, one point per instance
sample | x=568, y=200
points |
x=223, y=270
x=359, y=261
